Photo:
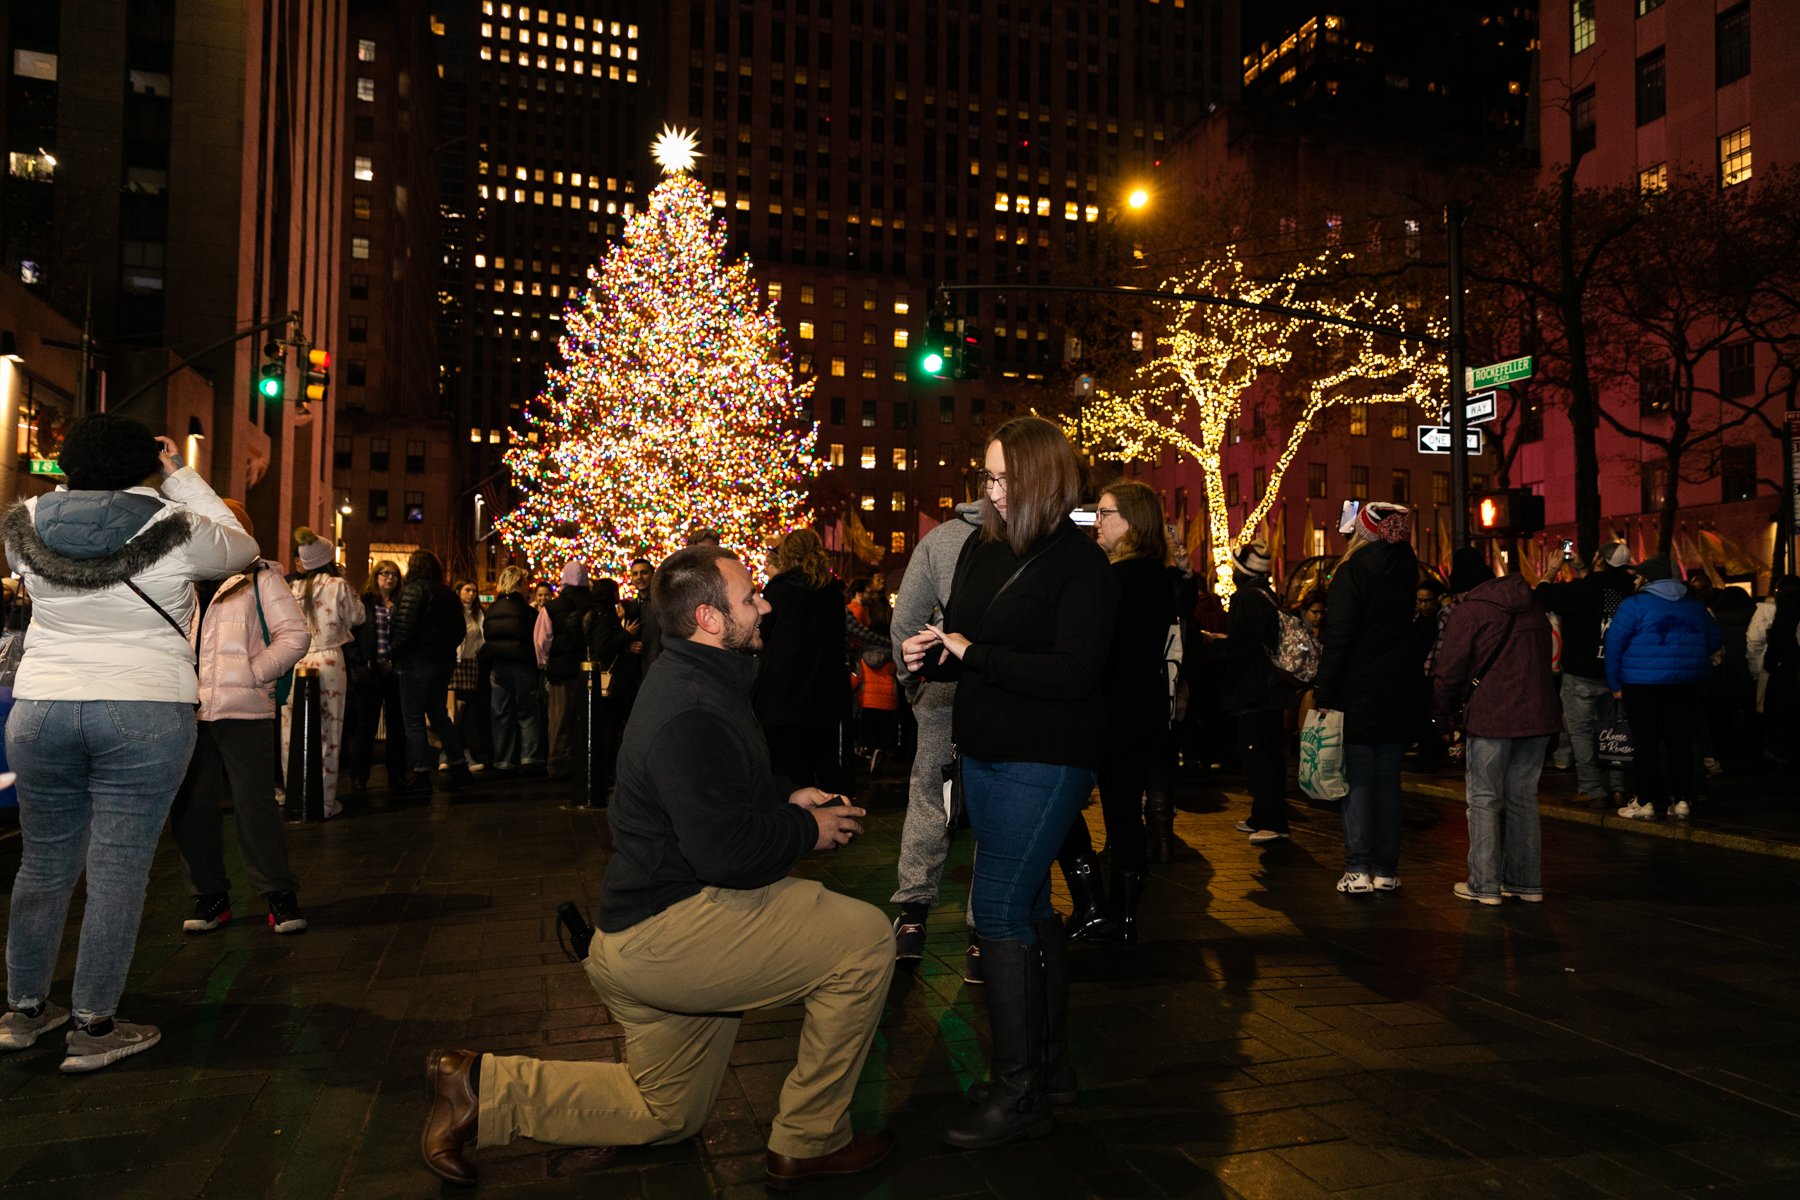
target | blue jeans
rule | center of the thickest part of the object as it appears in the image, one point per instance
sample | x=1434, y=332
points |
x=1020, y=812
x=96, y=779
x=1372, y=809
x=424, y=696
x=515, y=695
x=1581, y=721
x=1503, y=789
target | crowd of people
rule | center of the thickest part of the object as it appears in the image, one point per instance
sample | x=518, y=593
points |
x=1027, y=662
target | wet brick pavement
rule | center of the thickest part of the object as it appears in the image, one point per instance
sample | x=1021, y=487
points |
x=1635, y=1036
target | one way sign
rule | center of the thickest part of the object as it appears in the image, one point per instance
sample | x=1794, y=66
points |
x=1435, y=439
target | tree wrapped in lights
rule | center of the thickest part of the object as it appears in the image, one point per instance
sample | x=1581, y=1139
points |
x=675, y=405
x=1212, y=356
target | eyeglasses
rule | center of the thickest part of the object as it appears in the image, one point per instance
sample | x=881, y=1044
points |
x=989, y=481
x=1100, y=514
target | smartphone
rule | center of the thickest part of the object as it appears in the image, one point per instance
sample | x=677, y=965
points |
x=1568, y=549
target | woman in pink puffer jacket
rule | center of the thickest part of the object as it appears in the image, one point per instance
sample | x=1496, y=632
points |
x=251, y=635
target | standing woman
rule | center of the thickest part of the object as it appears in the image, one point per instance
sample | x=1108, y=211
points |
x=469, y=681
x=1026, y=636
x=802, y=684
x=1128, y=525
x=374, y=684
x=103, y=722
x=428, y=628
x=513, y=675
x=332, y=613
x=1369, y=671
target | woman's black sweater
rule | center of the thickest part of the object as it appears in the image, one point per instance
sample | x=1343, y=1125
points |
x=1029, y=685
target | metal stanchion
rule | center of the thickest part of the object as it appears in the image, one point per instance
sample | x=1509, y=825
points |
x=590, y=781
x=306, y=750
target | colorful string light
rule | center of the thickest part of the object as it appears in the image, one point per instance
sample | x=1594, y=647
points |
x=675, y=407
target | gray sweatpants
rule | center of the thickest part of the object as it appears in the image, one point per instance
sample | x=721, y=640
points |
x=924, y=842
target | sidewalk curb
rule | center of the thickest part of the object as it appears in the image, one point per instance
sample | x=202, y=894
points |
x=1674, y=830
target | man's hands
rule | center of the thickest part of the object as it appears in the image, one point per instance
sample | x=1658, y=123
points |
x=835, y=815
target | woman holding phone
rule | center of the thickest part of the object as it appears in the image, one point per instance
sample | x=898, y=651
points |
x=1026, y=636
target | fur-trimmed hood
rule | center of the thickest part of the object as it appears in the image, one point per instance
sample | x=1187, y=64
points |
x=87, y=541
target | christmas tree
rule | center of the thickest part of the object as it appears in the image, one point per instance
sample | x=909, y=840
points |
x=675, y=406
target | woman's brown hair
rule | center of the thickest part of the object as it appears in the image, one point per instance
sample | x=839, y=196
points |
x=802, y=550
x=1043, y=483
x=373, y=585
x=426, y=567
x=1142, y=511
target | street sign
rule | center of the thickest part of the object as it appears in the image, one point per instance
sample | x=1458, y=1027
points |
x=1478, y=409
x=1435, y=439
x=46, y=466
x=1497, y=375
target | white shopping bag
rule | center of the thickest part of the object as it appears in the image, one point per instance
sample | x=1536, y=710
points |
x=1322, y=755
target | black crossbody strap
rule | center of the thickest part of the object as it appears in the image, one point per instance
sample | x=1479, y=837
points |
x=160, y=611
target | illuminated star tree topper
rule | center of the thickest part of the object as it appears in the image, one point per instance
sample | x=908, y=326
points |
x=675, y=405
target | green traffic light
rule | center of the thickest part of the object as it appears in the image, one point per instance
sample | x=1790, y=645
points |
x=933, y=363
x=270, y=387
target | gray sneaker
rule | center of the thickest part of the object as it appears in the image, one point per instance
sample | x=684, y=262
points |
x=19, y=1030
x=89, y=1053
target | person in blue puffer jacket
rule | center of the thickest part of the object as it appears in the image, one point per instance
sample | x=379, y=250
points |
x=1659, y=651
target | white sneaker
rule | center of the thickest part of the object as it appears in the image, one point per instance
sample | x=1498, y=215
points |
x=1355, y=882
x=1680, y=809
x=88, y=1052
x=1638, y=811
x=1245, y=827
x=1386, y=883
x=1263, y=836
x=1464, y=892
x=1527, y=897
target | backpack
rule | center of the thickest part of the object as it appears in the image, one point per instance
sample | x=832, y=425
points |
x=1296, y=653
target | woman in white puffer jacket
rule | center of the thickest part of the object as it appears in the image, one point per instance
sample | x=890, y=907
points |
x=252, y=635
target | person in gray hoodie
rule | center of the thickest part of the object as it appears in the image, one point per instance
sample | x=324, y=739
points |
x=924, y=840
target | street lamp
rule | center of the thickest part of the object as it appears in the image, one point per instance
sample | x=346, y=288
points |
x=1138, y=198
x=337, y=528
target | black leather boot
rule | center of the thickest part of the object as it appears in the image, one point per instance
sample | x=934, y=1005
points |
x=1160, y=826
x=1089, y=922
x=1015, y=1107
x=1059, y=1075
x=1128, y=889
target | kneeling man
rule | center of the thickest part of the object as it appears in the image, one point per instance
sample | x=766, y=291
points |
x=698, y=923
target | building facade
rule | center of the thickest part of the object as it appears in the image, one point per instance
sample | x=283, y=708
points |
x=174, y=178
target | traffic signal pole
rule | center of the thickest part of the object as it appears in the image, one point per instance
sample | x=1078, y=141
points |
x=1459, y=417
x=288, y=319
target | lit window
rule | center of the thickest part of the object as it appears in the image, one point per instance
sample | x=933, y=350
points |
x=900, y=339
x=365, y=50
x=900, y=305
x=897, y=542
x=899, y=458
x=806, y=331
x=365, y=88
x=774, y=290
x=868, y=458
x=1581, y=17
x=1734, y=157
x=1653, y=180
x=868, y=503
x=897, y=502
x=365, y=168
x=837, y=367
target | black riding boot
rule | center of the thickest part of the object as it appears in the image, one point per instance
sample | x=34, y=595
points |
x=1016, y=1106
x=1089, y=922
x=1128, y=889
x=1159, y=804
x=1059, y=1075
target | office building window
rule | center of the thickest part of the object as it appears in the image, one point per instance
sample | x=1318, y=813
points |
x=415, y=458
x=837, y=367
x=1318, y=481
x=1401, y=492
x=868, y=458
x=1581, y=18
x=806, y=331
x=901, y=413
x=1737, y=370
x=1734, y=157
x=360, y=207
x=1731, y=44
x=899, y=458
x=1359, y=483
x=946, y=410
x=897, y=502
x=868, y=414
x=1399, y=422
x=340, y=454
x=378, y=504
x=837, y=454
x=1652, y=99
x=1359, y=420
x=1656, y=387
x=1231, y=488
x=415, y=508
x=1644, y=6
x=1259, y=481
x=379, y=454
x=901, y=337
x=867, y=503
x=837, y=410
x=1440, y=487
x=365, y=89
x=1654, y=181
x=359, y=247
x=1737, y=473
x=359, y=329
x=1582, y=136
x=365, y=50
x=356, y=372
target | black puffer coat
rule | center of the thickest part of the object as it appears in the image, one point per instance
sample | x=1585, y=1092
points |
x=428, y=624
x=802, y=678
x=1370, y=666
x=506, y=630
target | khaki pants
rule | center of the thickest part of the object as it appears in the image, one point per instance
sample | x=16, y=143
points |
x=677, y=983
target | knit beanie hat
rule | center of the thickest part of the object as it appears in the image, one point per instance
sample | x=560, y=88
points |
x=574, y=575
x=312, y=550
x=1468, y=568
x=1616, y=554
x=1656, y=567
x=1383, y=521
x=1252, y=558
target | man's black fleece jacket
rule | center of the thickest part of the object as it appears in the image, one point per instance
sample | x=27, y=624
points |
x=695, y=805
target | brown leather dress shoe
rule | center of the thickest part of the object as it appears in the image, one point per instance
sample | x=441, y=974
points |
x=865, y=1150
x=450, y=1082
